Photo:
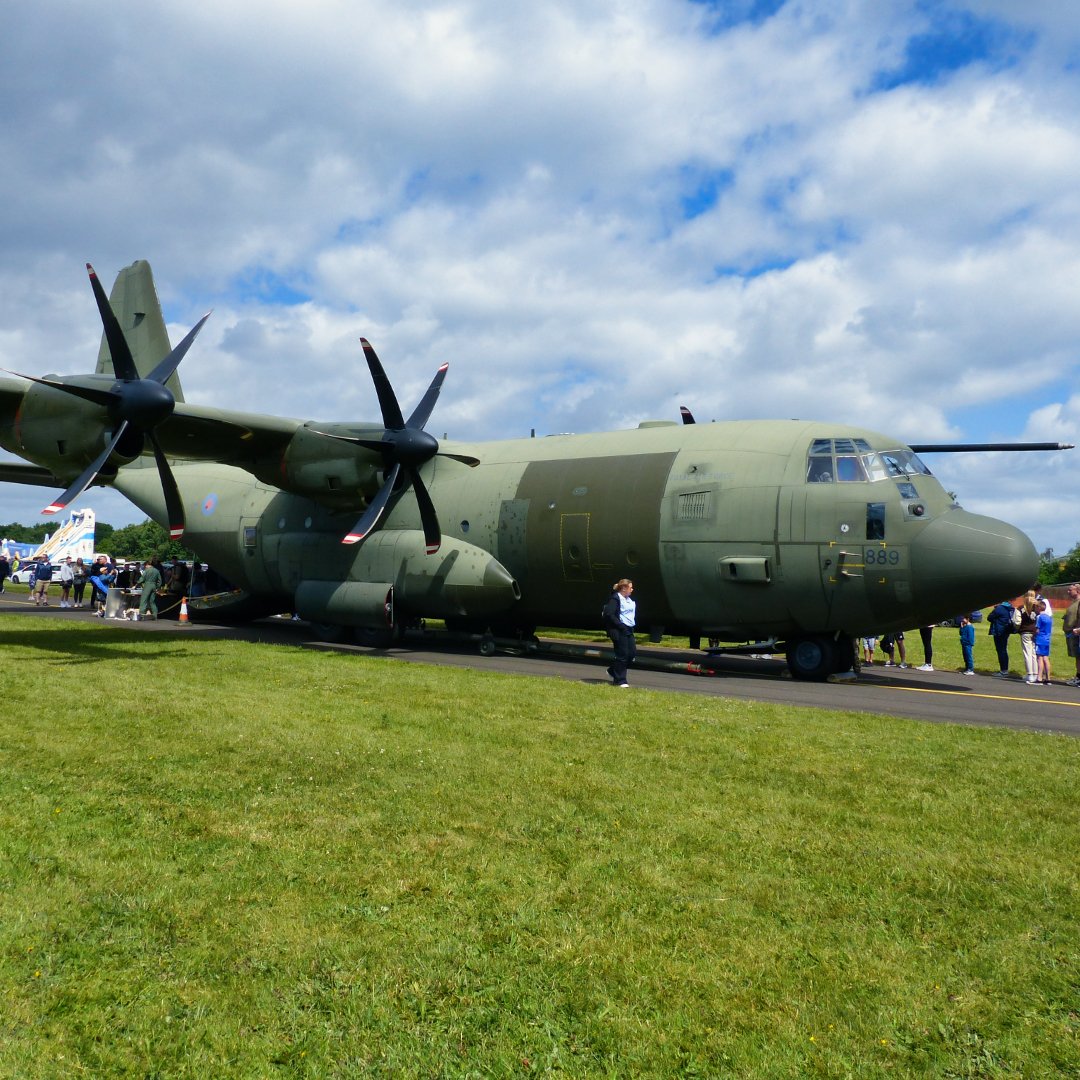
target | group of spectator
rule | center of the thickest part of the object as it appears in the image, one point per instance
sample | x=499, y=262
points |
x=1030, y=617
x=104, y=574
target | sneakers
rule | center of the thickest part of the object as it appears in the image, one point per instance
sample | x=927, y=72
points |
x=902, y=665
x=1073, y=682
x=969, y=671
x=623, y=685
x=1001, y=674
x=1029, y=679
x=889, y=663
x=925, y=667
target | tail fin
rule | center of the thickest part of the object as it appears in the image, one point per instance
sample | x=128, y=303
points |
x=134, y=299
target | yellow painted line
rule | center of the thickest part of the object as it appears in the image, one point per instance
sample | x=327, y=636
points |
x=989, y=697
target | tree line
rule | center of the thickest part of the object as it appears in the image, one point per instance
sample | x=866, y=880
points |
x=140, y=542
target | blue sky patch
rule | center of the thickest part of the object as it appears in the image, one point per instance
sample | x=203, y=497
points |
x=724, y=14
x=264, y=286
x=702, y=189
x=765, y=265
x=956, y=39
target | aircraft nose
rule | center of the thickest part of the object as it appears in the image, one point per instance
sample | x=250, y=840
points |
x=964, y=561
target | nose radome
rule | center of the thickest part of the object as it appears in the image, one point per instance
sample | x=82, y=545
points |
x=964, y=561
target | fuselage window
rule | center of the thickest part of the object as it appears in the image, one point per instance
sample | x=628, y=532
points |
x=875, y=521
x=819, y=470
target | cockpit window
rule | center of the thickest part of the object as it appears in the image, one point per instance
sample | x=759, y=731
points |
x=903, y=463
x=852, y=460
x=849, y=468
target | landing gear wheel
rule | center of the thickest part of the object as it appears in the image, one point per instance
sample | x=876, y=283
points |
x=487, y=645
x=331, y=633
x=812, y=658
x=379, y=637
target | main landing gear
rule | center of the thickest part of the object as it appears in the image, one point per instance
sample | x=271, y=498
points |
x=814, y=657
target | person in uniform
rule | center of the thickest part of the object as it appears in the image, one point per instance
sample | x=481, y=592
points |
x=149, y=582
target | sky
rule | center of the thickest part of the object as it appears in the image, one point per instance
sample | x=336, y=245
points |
x=595, y=210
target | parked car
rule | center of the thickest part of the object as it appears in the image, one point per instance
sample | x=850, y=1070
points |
x=975, y=616
x=22, y=575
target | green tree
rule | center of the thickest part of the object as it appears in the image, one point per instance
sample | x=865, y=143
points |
x=142, y=542
x=1069, y=566
x=28, y=534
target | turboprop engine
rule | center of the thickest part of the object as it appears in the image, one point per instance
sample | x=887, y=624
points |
x=394, y=575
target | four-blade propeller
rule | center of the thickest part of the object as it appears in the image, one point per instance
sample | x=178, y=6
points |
x=132, y=402
x=138, y=404
x=404, y=447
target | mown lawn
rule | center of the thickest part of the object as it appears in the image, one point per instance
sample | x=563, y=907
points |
x=227, y=859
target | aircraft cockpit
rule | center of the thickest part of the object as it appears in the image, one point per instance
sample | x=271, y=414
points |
x=854, y=460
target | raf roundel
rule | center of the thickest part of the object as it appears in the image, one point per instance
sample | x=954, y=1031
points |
x=209, y=505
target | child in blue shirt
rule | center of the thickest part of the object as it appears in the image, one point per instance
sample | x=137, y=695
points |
x=967, y=643
x=1044, y=629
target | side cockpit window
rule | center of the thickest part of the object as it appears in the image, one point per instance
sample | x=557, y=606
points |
x=875, y=521
x=819, y=466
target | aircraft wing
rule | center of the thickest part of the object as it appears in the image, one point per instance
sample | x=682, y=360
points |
x=201, y=433
x=21, y=472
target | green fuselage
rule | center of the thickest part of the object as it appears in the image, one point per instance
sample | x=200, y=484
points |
x=718, y=525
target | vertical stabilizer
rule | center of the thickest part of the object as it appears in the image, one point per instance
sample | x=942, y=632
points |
x=134, y=299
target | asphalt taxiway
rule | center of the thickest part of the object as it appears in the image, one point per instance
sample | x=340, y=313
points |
x=941, y=696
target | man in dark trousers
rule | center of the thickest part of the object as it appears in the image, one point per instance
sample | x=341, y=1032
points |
x=620, y=617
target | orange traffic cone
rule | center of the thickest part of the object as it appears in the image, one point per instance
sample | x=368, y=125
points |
x=184, y=620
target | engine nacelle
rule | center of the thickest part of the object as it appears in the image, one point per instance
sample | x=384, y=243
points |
x=65, y=434
x=369, y=604
x=330, y=471
x=392, y=570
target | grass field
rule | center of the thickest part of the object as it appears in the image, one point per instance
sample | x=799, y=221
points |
x=226, y=859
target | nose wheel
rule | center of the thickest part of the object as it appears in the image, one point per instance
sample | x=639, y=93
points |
x=814, y=657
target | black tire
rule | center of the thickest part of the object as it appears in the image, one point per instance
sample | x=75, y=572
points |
x=811, y=658
x=331, y=633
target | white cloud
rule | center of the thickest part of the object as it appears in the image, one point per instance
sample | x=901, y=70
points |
x=505, y=187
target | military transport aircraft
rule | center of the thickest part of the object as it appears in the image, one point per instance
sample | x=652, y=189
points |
x=801, y=533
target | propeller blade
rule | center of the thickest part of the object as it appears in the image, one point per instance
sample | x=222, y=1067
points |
x=87, y=476
x=376, y=507
x=422, y=411
x=161, y=373
x=122, y=360
x=388, y=403
x=88, y=393
x=465, y=459
x=432, y=532
x=174, y=505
